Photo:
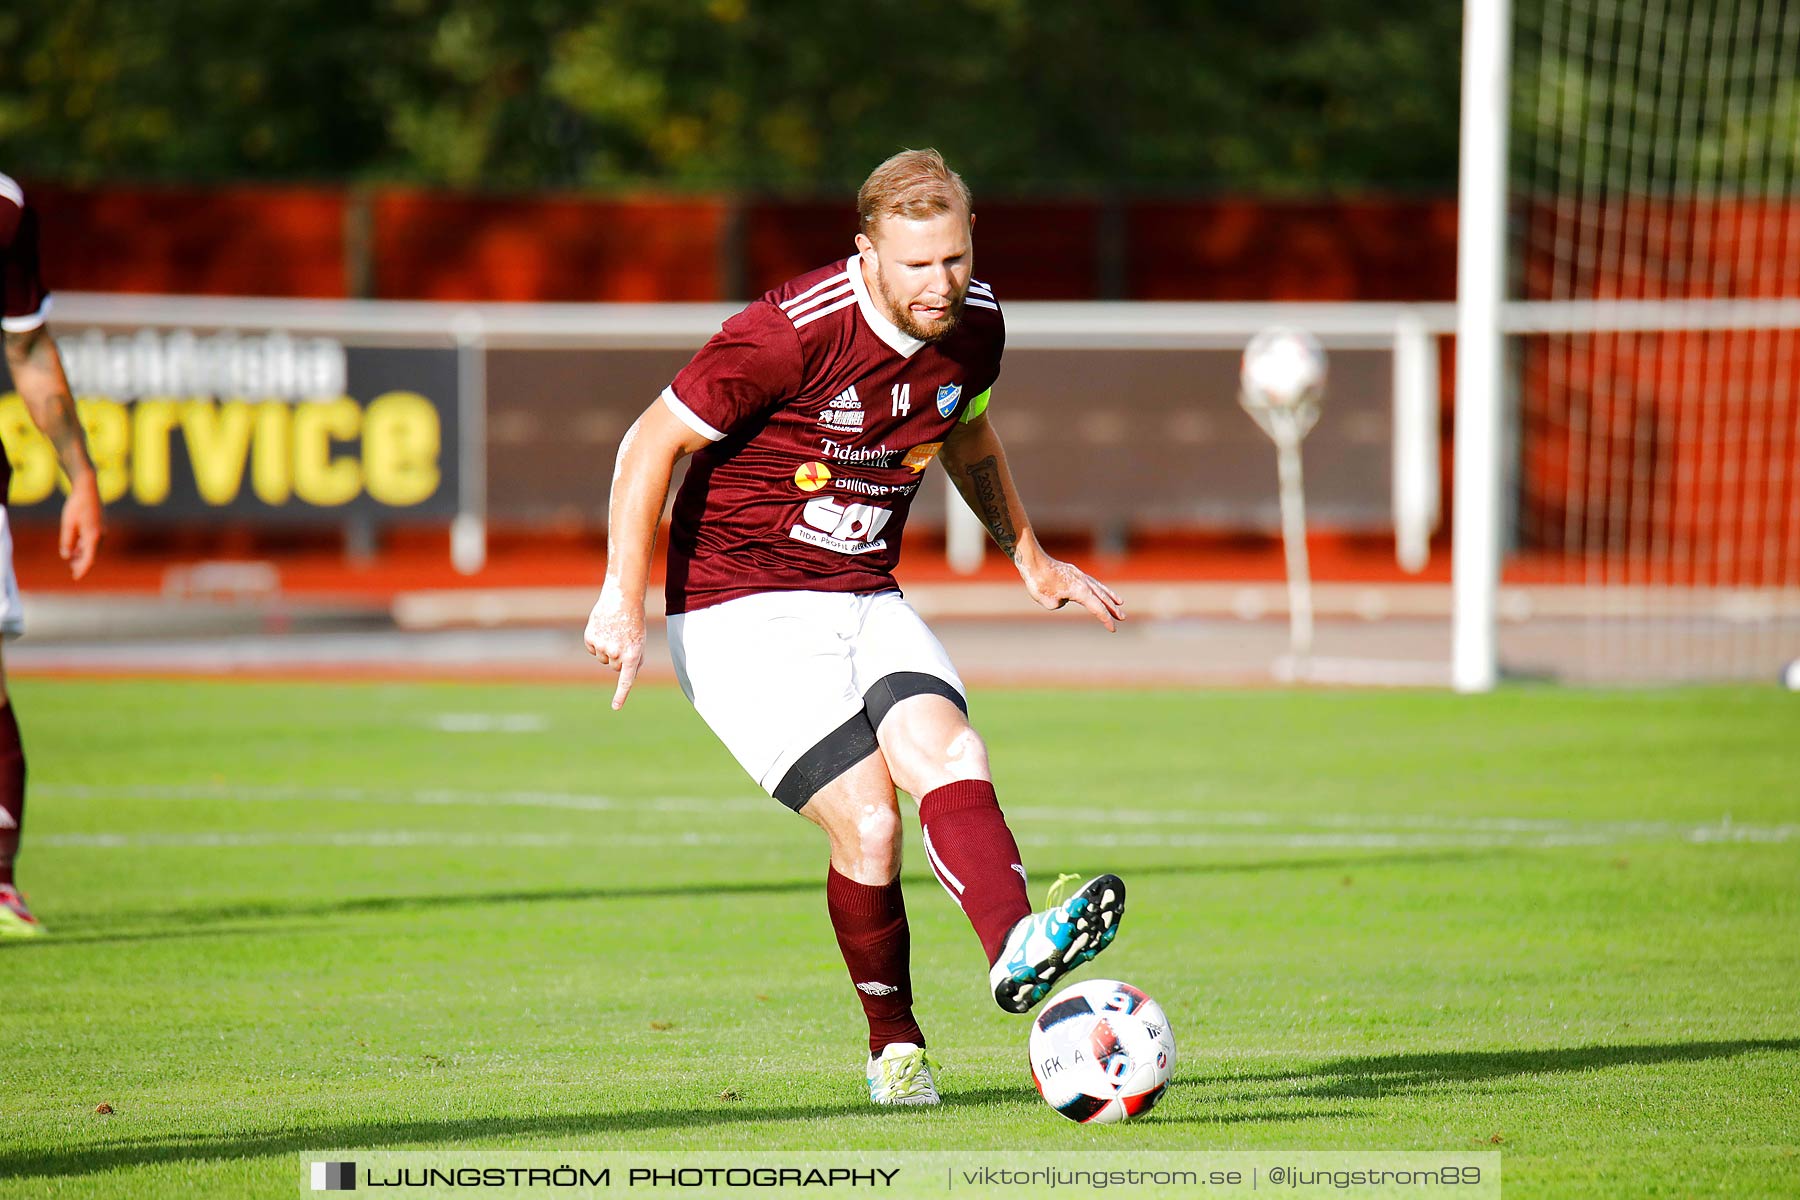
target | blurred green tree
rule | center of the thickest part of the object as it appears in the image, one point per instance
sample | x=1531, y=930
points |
x=1285, y=96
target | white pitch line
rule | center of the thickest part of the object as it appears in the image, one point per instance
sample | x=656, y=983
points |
x=391, y=838
x=381, y=838
x=1341, y=829
x=1725, y=829
x=575, y=801
x=490, y=723
x=1414, y=841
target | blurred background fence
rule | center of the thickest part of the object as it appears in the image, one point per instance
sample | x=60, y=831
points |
x=1125, y=421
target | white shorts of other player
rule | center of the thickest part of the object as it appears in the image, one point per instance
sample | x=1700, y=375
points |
x=12, y=612
x=773, y=674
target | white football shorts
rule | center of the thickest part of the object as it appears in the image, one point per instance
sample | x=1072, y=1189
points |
x=12, y=612
x=796, y=683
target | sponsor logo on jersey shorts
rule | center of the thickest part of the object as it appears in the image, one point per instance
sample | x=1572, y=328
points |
x=919, y=457
x=812, y=477
x=844, y=528
x=947, y=396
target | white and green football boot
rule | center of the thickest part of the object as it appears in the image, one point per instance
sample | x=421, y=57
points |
x=1045, y=946
x=901, y=1075
x=15, y=915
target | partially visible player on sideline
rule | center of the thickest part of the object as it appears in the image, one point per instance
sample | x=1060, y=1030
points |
x=37, y=375
x=811, y=417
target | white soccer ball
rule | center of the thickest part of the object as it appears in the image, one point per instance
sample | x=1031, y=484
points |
x=1102, y=1052
x=1790, y=676
x=1283, y=368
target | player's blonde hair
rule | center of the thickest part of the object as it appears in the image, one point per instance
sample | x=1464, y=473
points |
x=914, y=184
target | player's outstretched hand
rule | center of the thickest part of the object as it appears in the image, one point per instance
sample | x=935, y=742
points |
x=79, y=538
x=1054, y=583
x=615, y=636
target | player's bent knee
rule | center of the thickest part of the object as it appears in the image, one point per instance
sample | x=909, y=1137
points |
x=861, y=819
x=928, y=743
x=878, y=839
x=963, y=756
x=859, y=803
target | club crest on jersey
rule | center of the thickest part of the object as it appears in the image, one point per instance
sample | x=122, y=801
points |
x=947, y=397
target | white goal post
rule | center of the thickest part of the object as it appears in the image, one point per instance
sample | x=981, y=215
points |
x=1480, y=293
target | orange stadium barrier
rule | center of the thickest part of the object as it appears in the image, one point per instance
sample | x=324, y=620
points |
x=413, y=244
x=1296, y=250
x=227, y=241
x=1033, y=249
x=431, y=246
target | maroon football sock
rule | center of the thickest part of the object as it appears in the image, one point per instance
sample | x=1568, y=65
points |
x=12, y=790
x=877, y=945
x=976, y=858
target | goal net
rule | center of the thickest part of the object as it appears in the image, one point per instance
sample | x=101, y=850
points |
x=1654, y=340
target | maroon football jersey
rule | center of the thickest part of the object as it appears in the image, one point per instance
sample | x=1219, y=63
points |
x=823, y=416
x=23, y=301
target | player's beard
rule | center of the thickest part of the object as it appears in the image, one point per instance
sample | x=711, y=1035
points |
x=901, y=314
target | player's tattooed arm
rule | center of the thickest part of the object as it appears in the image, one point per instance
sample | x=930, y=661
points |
x=36, y=367
x=976, y=460
x=988, y=490
x=37, y=373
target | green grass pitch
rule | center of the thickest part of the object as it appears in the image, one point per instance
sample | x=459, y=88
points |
x=1560, y=924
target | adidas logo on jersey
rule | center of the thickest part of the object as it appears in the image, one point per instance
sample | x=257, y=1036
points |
x=843, y=413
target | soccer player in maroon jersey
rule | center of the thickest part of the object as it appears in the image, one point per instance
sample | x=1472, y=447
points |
x=811, y=417
x=37, y=375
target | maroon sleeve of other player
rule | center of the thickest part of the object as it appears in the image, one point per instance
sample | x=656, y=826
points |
x=752, y=364
x=22, y=292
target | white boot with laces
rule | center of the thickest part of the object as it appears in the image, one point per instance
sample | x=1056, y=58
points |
x=901, y=1074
